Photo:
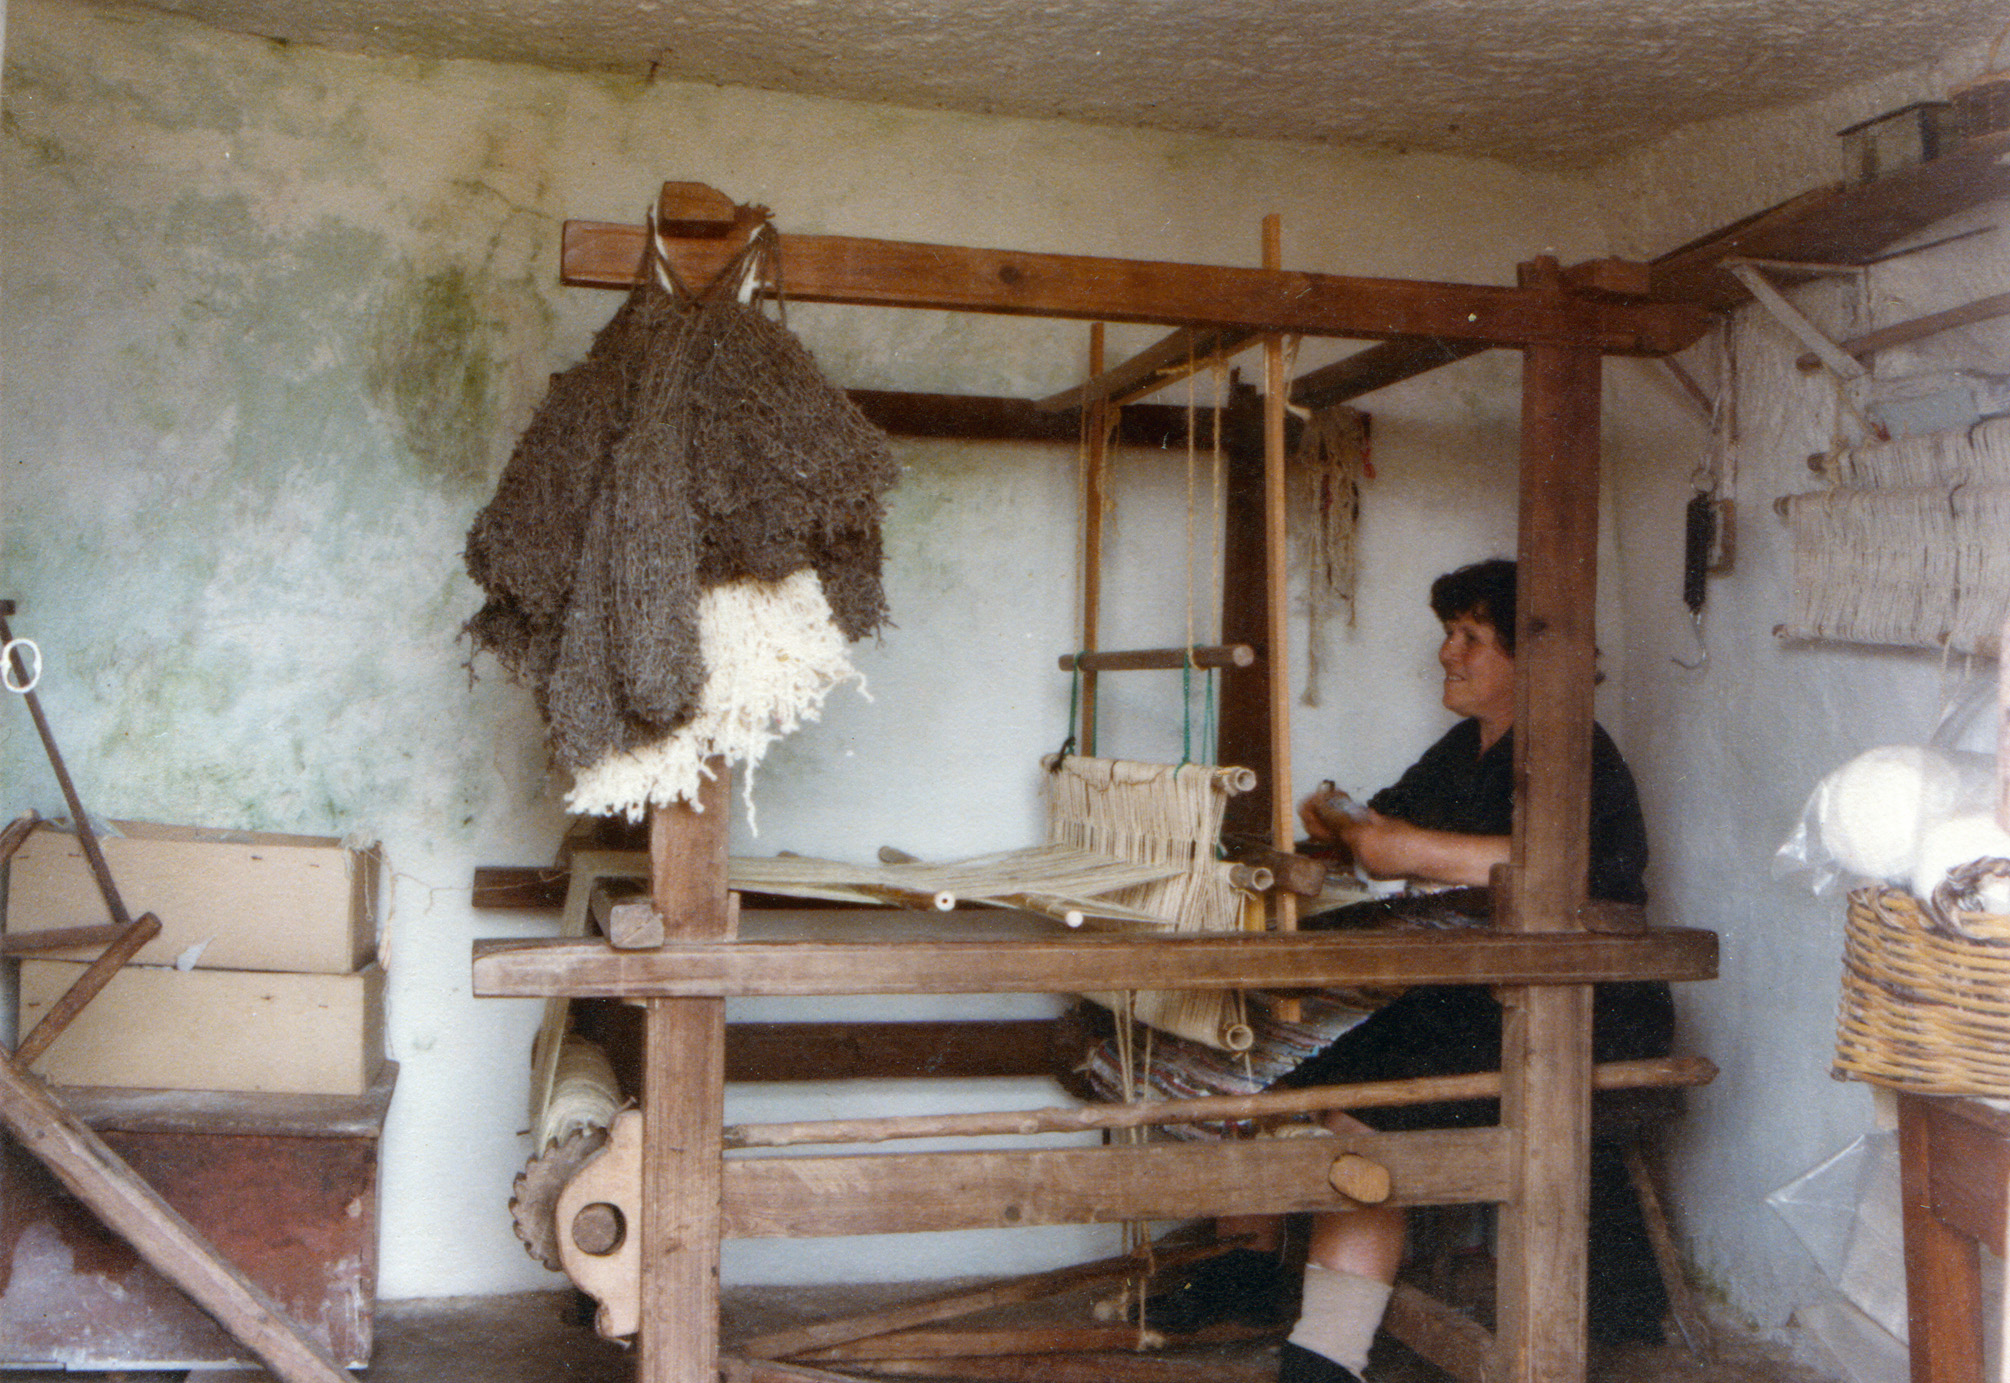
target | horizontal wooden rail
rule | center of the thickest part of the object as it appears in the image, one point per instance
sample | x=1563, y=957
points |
x=902, y=1193
x=1657, y=1073
x=890, y=273
x=1080, y=964
x=1160, y=659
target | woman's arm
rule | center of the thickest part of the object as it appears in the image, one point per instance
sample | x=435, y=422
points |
x=1390, y=848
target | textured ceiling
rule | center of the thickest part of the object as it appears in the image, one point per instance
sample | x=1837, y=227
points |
x=1559, y=82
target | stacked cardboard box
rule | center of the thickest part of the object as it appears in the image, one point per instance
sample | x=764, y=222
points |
x=237, y=1066
x=262, y=979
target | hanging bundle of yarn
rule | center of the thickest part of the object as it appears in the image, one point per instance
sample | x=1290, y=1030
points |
x=696, y=448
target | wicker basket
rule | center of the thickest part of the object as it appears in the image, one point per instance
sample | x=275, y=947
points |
x=1926, y=989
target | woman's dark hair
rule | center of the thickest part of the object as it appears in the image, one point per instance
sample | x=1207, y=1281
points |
x=1485, y=591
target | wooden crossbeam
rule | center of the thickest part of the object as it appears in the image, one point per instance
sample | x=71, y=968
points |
x=891, y=273
x=1169, y=360
x=902, y=1193
x=1078, y=964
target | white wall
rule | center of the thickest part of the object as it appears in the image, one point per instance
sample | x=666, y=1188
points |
x=1727, y=754
x=273, y=317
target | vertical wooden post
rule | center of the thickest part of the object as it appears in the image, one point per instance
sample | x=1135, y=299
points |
x=1943, y=1266
x=1096, y=420
x=682, y=1111
x=1283, y=818
x=1546, y=1039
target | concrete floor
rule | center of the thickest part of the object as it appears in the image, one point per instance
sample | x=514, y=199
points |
x=540, y=1339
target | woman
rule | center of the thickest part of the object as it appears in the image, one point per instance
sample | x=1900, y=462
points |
x=1448, y=820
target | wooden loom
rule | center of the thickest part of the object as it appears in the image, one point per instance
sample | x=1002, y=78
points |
x=1534, y=1165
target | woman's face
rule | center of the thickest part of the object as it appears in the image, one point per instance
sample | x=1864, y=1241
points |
x=1479, y=673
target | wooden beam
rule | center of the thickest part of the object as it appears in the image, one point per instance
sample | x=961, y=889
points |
x=1901, y=333
x=683, y=1100
x=976, y=417
x=1079, y=964
x=1838, y=224
x=1656, y=1073
x=1187, y=351
x=977, y=1342
x=1441, y=1334
x=1546, y=1032
x=1378, y=367
x=901, y=1193
x=1108, y=1366
x=131, y=1209
x=954, y=278
x=840, y=1330
x=854, y=1051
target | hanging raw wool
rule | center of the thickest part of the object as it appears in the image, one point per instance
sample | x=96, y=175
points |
x=1331, y=458
x=683, y=541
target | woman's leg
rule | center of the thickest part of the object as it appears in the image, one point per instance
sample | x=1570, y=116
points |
x=1350, y=1266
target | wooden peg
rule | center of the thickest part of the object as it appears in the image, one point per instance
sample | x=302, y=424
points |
x=1359, y=1178
x=694, y=211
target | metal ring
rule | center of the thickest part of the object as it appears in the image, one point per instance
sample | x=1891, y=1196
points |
x=7, y=666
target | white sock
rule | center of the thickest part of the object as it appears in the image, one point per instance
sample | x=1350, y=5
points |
x=1340, y=1315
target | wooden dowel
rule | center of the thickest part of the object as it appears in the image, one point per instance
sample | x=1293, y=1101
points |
x=78, y=816
x=1900, y=333
x=60, y=939
x=1480, y=1085
x=782, y=1344
x=16, y=835
x=1096, y=418
x=978, y=1342
x=734, y=1370
x=95, y=977
x=1128, y=1367
x=1160, y=659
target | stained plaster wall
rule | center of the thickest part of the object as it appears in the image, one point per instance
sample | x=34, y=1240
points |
x=1727, y=753
x=272, y=319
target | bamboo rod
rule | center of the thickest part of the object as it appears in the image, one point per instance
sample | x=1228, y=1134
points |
x=1282, y=822
x=1479, y=1085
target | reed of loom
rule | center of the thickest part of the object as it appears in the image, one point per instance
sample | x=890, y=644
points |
x=1162, y=815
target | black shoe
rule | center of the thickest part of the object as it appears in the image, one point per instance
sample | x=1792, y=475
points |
x=1243, y=1286
x=1297, y=1364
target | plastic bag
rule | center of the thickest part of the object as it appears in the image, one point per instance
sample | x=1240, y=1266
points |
x=1870, y=818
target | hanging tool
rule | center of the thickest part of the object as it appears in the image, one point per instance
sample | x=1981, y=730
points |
x=1699, y=541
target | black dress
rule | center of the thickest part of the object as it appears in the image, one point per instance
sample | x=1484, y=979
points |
x=1453, y=1029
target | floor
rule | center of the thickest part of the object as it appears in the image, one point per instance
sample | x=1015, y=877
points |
x=541, y=1339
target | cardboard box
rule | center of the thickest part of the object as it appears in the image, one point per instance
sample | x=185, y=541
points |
x=253, y=901
x=160, y=1028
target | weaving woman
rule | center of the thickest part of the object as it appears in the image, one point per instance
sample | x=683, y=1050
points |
x=1446, y=821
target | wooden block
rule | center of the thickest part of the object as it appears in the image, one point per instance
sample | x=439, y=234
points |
x=168, y=1029
x=258, y=901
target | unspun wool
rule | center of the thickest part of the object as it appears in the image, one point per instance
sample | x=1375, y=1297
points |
x=772, y=652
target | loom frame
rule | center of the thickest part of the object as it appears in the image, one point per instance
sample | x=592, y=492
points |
x=1538, y=1160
